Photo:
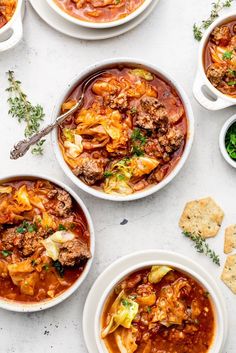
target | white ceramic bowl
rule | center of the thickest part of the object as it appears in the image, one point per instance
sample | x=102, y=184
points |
x=99, y=25
x=221, y=329
x=32, y=307
x=215, y=100
x=12, y=32
x=223, y=132
x=114, y=63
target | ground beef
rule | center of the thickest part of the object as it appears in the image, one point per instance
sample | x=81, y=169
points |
x=30, y=242
x=172, y=140
x=216, y=72
x=60, y=203
x=91, y=170
x=27, y=242
x=11, y=238
x=74, y=252
x=119, y=102
x=221, y=36
x=152, y=114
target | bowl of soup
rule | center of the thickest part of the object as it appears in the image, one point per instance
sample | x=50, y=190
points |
x=132, y=135
x=162, y=307
x=99, y=13
x=215, y=82
x=11, y=29
x=46, y=243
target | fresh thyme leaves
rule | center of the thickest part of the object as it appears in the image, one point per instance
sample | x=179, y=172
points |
x=230, y=141
x=24, y=111
x=217, y=6
x=202, y=247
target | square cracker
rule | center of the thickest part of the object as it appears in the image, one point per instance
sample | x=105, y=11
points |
x=229, y=273
x=230, y=239
x=202, y=217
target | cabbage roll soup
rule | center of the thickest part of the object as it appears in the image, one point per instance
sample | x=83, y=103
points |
x=158, y=310
x=220, y=58
x=129, y=135
x=7, y=9
x=99, y=11
x=44, y=241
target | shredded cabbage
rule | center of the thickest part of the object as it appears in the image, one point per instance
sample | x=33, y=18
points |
x=22, y=198
x=5, y=189
x=157, y=273
x=126, y=339
x=143, y=74
x=52, y=244
x=122, y=313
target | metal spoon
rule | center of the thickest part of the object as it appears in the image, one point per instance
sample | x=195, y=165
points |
x=23, y=146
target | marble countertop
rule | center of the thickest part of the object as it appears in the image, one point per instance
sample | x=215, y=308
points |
x=45, y=61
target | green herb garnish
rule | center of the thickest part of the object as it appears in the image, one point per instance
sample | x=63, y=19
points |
x=61, y=227
x=138, y=141
x=34, y=262
x=138, y=136
x=149, y=309
x=46, y=267
x=202, y=247
x=231, y=83
x=27, y=227
x=227, y=55
x=126, y=303
x=217, y=6
x=58, y=266
x=107, y=174
x=6, y=253
x=230, y=141
x=24, y=111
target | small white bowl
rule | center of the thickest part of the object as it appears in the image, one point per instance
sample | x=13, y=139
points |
x=99, y=25
x=132, y=63
x=215, y=100
x=12, y=32
x=223, y=132
x=221, y=329
x=32, y=307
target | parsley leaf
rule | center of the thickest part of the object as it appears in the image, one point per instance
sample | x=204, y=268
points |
x=58, y=266
x=227, y=55
x=6, y=253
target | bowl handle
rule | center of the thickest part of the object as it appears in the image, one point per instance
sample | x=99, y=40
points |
x=207, y=103
x=17, y=33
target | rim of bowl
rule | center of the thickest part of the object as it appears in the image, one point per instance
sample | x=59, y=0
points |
x=39, y=306
x=167, y=78
x=98, y=25
x=216, y=298
x=221, y=20
x=222, y=146
x=12, y=20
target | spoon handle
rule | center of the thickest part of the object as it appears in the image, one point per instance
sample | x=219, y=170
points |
x=23, y=146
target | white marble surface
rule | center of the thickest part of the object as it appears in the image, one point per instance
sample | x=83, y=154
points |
x=45, y=61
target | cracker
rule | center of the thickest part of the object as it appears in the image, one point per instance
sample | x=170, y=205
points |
x=202, y=217
x=229, y=273
x=230, y=239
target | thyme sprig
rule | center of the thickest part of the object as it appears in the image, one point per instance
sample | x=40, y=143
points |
x=24, y=111
x=217, y=6
x=202, y=247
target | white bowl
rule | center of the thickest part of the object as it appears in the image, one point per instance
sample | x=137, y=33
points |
x=223, y=132
x=12, y=32
x=215, y=100
x=99, y=25
x=32, y=307
x=221, y=329
x=106, y=65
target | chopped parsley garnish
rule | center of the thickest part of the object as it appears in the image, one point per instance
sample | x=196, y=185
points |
x=27, y=227
x=126, y=303
x=6, y=253
x=58, y=266
x=231, y=83
x=230, y=141
x=133, y=110
x=232, y=72
x=227, y=55
x=46, y=267
x=138, y=140
x=149, y=309
x=121, y=177
x=61, y=227
x=33, y=262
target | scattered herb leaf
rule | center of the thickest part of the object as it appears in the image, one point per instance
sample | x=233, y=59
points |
x=217, y=6
x=202, y=247
x=61, y=227
x=58, y=266
x=107, y=174
x=6, y=253
x=24, y=111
